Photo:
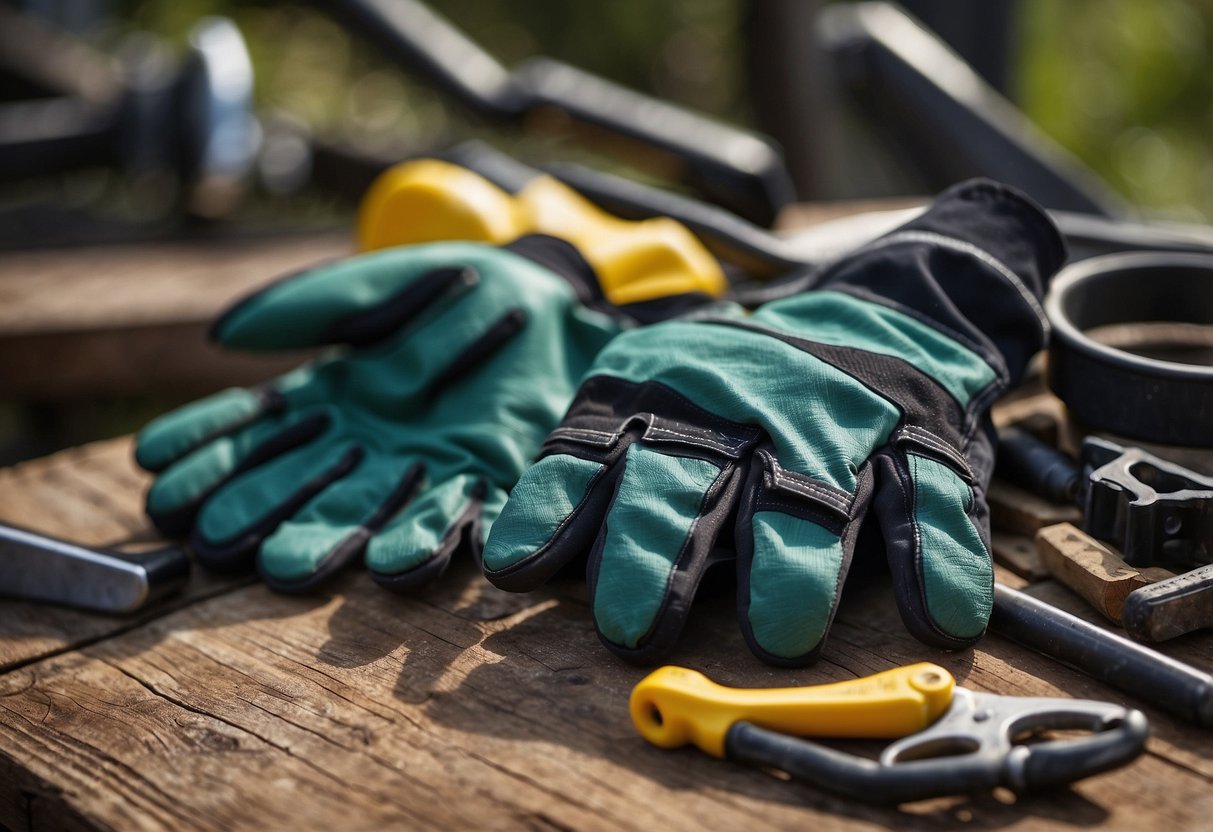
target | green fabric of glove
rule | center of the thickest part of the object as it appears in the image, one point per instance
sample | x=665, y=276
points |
x=859, y=406
x=458, y=358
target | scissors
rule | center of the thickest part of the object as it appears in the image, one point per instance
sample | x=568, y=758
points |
x=949, y=740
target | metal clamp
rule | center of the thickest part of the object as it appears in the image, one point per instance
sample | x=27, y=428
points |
x=951, y=740
x=1156, y=512
x=973, y=747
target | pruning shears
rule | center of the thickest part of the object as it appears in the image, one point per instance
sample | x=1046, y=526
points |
x=948, y=739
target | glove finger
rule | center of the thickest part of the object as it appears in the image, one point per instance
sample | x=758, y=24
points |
x=795, y=539
x=653, y=550
x=174, y=435
x=329, y=532
x=242, y=513
x=791, y=576
x=358, y=300
x=553, y=514
x=416, y=545
x=941, y=566
x=449, y=346
x=179, y=491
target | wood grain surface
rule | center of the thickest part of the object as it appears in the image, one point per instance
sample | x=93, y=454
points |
x=129, y=320
x=464, y=707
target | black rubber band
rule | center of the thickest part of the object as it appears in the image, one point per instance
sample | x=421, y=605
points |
x=1113, y=390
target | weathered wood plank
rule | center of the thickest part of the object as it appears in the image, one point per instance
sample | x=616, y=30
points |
x=464, y=707
x=468, y=707
x=132, y=319
x=91, y=495
x=67, y=290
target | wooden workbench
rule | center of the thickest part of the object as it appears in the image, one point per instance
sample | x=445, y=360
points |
x=231, y=707
x=132, y=319
x=228, y=706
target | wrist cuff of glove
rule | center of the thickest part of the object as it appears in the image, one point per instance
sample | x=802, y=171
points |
x=976, y=264
x=1003, y=221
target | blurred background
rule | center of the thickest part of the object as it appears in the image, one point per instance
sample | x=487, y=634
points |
x=1113, y=100
x=1126, y=86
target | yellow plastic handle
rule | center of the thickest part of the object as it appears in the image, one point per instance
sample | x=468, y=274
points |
x=428, y=200
x=673, y=706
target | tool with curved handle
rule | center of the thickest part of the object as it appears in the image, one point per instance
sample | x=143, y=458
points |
x=674, y=706
x=951, y=740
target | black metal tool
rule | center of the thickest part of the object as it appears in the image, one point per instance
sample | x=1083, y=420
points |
x=1172, y=607
x=1122, y=392
x=952, y=123
x=1126, y=665
x=38, y=567
x=733, y=167
x=1033, y=464
x=764, y=254
x=1156, y=512
x=192, y=122
x=971, y=748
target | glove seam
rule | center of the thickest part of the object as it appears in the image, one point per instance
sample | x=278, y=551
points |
x=965, y=247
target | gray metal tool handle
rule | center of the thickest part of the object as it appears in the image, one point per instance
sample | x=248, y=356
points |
x=40, y=568
x=1172, y=607
x=1160, y=680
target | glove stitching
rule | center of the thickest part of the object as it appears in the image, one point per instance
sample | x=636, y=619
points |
x=655, y=435
x=901, y=465
x=567, y=521
x=980, y=404
x=687, y=548
x=994, y=361
x=588, y=436
x=784, y=480
x=965, y=247
x=914, y=434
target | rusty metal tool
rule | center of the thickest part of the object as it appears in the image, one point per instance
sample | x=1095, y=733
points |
x=38, y=567
x=1171, y=685
x=1171, y=607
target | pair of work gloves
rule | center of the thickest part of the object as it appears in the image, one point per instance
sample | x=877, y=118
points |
x=508, y=401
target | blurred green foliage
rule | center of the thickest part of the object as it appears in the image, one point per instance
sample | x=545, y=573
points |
x=1126, y=85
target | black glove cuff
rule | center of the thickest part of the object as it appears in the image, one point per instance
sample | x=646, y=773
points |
x=976, y=264
x=1003, y=221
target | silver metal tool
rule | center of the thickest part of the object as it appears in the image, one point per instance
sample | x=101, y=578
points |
x=1164, y=682
x=974, y=746
x=36, y=567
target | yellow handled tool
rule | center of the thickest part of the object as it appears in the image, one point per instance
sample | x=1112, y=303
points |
x=428, y=199
x=948, y=740
x=674, y=706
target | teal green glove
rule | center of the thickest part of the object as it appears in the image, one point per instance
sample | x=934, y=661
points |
x=401, y=446
x=860, y=405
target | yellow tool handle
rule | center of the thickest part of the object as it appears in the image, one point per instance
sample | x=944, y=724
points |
x=428, y=200
x=673, y=706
